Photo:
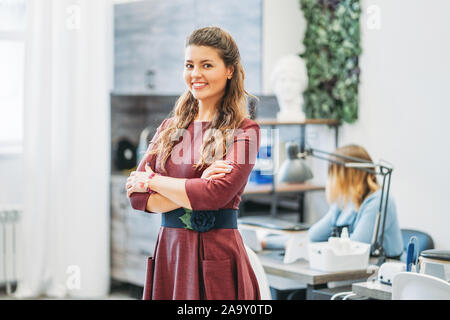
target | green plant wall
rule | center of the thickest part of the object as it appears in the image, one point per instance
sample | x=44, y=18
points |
x=332, y=50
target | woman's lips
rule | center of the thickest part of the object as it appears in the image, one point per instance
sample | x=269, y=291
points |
x=199, y=86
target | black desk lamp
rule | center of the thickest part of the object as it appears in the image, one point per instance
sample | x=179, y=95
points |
x=382, y=169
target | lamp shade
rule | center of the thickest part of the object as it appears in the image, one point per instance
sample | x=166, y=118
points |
x=293, y=169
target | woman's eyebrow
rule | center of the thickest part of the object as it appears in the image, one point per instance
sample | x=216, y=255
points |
x=206, y=60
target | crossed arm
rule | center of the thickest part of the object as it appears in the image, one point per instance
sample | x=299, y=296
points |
x=157, y=203
x=170, y=194
x=205, y=193
x=166, y=193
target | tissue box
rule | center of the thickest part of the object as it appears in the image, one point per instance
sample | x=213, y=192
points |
x=322, y=257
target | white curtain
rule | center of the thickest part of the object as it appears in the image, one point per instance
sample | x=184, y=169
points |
x=64, y=233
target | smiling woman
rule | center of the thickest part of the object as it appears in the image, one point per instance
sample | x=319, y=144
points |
x=206, y=75
x=186, y=175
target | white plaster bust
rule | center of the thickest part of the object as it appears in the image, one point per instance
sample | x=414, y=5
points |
x=289, y=80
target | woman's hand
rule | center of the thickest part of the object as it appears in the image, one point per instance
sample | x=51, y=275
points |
x=138, y=181
x=217, y=169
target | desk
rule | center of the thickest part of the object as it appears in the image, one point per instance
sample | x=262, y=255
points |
x=300, y=270
x=267, y=188
x=373, y=289
x=295, y=245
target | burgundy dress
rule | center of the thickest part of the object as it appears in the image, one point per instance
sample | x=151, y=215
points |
x=202, y=265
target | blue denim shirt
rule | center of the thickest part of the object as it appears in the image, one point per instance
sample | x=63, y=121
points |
x=361, y=224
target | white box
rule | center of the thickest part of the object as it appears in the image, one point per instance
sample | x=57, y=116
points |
x=322, y=257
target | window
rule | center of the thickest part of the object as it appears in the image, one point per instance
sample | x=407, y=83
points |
x=12, y=60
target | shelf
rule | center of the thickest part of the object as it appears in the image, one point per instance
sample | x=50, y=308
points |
x=266, y=188
x=275, y=122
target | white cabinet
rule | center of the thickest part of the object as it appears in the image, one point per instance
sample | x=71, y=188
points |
x=133, y=235
x=148, y=46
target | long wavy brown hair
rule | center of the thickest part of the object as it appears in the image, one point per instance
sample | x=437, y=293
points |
x=350, y=184
x=231, y=110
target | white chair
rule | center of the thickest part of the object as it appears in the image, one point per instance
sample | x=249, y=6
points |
x=258, y=269
x=419, y=286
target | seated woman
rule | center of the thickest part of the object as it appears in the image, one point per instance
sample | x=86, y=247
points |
x=354, y=198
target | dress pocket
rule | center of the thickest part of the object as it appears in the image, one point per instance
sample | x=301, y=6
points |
x=147, y=293
x=219, y=280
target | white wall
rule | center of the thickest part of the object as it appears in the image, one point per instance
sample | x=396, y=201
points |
x=283, y=28
x=404, y=101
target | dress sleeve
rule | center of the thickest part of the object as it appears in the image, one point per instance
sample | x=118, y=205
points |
x=214, y=194
x=139, y=200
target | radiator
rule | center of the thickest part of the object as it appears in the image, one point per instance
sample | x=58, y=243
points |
x=9, y=217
